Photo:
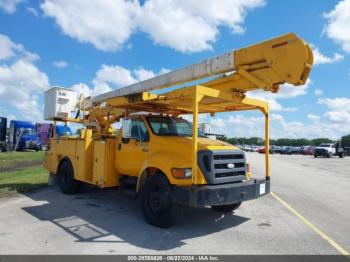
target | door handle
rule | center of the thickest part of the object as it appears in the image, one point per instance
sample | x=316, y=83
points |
x=145, y=149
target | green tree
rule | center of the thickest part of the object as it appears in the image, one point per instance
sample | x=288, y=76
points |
x=319, y=141
x=345, y=141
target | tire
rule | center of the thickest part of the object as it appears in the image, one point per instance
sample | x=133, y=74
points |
x=157, y=203
x=227, y=208
x=66, y=179
x=315, y=156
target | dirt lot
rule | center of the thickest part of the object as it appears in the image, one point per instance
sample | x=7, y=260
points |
x=47, y=222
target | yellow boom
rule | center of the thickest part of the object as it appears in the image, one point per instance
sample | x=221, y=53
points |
x=266, y=65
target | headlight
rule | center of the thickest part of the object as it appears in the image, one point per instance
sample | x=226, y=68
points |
x=181, y=173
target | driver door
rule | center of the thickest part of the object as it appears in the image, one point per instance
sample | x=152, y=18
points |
x=132, y=152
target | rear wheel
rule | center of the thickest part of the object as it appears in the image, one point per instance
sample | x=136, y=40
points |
x=157, y=203
x=67, y=182
x=227, y=208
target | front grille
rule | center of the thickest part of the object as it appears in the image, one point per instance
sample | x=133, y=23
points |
x=320, y=151
x=222, y=166
x=225, y=157
x=236, y=173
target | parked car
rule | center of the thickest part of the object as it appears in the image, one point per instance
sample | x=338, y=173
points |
x=275, y=149
x=309, y=150
x=328, y=150
x=287, y=150
x=261, y=150
x=297, y=150
x=255, y=148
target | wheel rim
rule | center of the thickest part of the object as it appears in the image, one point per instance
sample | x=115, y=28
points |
x=158, y=201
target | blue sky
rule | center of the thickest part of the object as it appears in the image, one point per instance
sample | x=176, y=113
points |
x=95, y=46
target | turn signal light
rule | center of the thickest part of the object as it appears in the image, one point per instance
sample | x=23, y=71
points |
x=181, y=173
x=248, y=167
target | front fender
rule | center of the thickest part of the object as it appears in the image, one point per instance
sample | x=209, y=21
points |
x=165, y=161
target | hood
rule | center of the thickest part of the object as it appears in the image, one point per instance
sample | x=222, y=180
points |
x=203, y=143
x=323, y=148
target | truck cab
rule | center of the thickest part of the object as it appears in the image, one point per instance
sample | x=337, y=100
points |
x=164, y=142
x=328, y=150
x=325, y=150
x=22, y=136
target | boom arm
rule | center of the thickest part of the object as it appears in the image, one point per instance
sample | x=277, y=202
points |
x=266, y=65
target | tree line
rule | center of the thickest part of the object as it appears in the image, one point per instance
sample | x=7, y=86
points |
x=345, y=141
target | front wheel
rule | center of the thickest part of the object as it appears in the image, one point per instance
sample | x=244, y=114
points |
x=227, y=208
x=157, y=203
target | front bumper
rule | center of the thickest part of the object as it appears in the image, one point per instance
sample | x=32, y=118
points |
x=321, y=152
x=224, y=194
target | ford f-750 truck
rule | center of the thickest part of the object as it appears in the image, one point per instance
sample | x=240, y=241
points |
x=159, y=156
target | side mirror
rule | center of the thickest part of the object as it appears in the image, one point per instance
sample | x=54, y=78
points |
x=126, y=128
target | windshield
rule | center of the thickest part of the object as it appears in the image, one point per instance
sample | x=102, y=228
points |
x=325, y=145
x=171, y=126
x=28, y=132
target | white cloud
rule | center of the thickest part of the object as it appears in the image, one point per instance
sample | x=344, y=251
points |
x=10, y=6
x=339, y=110
x=339, y=103
x=11, y=50
x=60, y=64
x=183, y=25
x=33, y=11
x=106, y=24
x=218, y=122
x=313, y=118
x=20, y=85
x=286, y=91
x=171, y=23
x=320, y=58
x=143, y=74
x=110, y=77
x=241, y=125
x=21, y=82
x=338, y=24
x=117, y=76
x=318, y=92
x=82, y=88
x=296, y=129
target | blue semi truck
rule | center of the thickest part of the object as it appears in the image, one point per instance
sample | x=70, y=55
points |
x=22, y=136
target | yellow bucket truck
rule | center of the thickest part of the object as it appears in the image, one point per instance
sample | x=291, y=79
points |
x=156, y=154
